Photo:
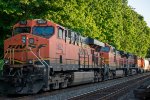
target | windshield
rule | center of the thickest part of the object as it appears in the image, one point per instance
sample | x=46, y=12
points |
x=45, y=31
x=105, y=49
x=18, y=30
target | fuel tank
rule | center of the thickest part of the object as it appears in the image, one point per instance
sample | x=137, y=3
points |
x=82, y=77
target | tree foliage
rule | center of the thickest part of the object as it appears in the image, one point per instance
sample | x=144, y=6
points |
x=111, y=21
x=1, y=65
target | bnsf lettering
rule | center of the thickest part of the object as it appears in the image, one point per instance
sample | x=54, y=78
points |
x=20, y=47
x=12, y=46
x=41, y=45
x=24, y=46
x=16, y=46
x=32, y=45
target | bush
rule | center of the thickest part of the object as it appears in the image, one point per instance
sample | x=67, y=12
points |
x=1, y=64
x=1, y=67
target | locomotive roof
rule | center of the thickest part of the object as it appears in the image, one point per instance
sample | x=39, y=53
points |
x=92, y=41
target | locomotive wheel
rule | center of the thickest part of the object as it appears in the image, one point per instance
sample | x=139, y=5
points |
x=110, y=75
x=96, y=77
x=124, y=74
x=100, y=77
x=55, y=85
x=104, y=77
x=64, y=84
x=37, y=86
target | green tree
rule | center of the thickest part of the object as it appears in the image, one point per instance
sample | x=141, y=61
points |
x=111, y=21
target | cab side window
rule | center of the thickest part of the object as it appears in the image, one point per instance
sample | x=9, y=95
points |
x=72, y=37
x=69, y=34
x=65, y=34
x=60, y=33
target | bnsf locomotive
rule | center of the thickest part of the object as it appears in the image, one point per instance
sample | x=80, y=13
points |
x=42, y=55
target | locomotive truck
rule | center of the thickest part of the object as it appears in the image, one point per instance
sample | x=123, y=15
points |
x=42, y=55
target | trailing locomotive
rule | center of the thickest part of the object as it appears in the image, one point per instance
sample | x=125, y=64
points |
x=42, y=55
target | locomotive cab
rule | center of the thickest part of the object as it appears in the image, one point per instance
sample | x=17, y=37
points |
x=108, y=53
x=37, y=27
x=29, y=38
x=116, y=60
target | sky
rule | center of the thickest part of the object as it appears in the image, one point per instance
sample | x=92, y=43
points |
x=142, y=7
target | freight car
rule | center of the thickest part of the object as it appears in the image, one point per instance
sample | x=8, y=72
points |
x=146, y=65
x=42, y=55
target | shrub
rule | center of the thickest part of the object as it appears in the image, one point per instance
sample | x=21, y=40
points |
x=1, y=64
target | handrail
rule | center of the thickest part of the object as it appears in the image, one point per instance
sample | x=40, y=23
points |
x=36, y=56
x=47, y=69
x=5, y=55
x=10, y=56
x=13, y=55
x=43, y=60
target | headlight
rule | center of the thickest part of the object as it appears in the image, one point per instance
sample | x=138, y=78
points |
x=23, y=39
x=148, y=86
x=23, y=22
x=30, y=61
x=41, y=21
x=6, y=61
x=31, y=41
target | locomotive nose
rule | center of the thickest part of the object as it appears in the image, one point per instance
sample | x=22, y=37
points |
x=16, y=48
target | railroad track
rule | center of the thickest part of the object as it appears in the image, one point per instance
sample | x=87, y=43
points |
x=113, y=92
x=81, y=92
